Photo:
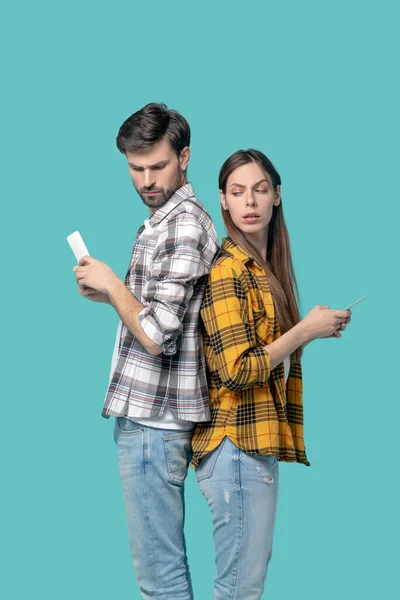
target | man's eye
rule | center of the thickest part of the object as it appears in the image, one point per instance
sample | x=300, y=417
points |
x=159, y=168
x=236, y=193
x=262, y=191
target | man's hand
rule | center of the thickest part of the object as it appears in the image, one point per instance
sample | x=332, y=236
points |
x=95, y=274
x=94, y=295
x=99, y=283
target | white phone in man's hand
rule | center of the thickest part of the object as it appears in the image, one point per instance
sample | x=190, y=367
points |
x=354, y=303
x=77, y=245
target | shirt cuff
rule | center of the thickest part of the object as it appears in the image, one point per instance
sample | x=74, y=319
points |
x=152, y=330
x=263, y=365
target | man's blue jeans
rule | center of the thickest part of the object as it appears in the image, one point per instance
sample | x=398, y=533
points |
x=242, y=491
x=153, y=465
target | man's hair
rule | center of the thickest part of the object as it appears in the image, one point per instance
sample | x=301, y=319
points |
x=150, y=125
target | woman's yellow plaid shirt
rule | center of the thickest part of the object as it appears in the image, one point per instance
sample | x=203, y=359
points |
x=252, y=405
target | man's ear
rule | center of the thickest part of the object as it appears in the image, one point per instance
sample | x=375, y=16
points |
x=184, y=158
x=223, y=200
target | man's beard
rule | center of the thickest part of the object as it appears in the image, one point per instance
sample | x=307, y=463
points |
x=164, y=194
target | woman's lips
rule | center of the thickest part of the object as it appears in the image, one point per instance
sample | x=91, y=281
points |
x=251, y=218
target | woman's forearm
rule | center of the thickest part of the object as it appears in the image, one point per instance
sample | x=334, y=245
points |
x=288, y=343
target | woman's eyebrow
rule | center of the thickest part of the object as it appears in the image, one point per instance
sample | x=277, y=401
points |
x=261, y=181
x=243, y=186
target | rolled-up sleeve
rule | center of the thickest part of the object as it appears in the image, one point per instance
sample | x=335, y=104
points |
x=240, y=363
x=180, y=259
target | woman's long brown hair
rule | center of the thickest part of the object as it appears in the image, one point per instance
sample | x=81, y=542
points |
x=278, y=266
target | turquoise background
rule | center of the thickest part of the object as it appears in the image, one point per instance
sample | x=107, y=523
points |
x=313, y=85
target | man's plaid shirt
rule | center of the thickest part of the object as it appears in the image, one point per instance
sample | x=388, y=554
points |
x=171, y=259
x=249, y=402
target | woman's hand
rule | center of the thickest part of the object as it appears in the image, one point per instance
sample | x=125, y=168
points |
x=320, y=322
x=324, y=322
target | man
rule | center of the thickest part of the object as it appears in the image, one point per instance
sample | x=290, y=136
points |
x=158, y=388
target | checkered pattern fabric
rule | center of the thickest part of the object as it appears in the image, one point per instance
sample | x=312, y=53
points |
x=253, y=405
x=171, y=259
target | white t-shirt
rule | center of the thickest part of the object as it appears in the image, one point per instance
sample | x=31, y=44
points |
x=167, y=420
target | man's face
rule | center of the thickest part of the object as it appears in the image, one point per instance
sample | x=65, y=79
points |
x=157, y=172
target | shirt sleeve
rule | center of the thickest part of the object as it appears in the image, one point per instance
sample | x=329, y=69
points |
x=240, y=363
x=184, y=253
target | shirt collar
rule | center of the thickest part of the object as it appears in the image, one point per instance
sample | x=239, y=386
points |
x=235, y=250
x=183, y=193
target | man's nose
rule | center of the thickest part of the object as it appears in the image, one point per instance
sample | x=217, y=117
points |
x=149, y=178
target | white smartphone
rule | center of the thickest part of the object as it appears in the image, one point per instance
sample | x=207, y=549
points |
x=354, y=303
x=77, y=245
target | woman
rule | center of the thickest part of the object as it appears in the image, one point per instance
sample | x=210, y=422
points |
x=253, y=339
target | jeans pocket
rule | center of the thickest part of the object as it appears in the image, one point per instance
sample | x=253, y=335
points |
x=178, y=447
x=126, y=426
x=207, y=463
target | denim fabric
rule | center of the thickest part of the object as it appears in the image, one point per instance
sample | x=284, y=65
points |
x=153, y=465
x=242, y=491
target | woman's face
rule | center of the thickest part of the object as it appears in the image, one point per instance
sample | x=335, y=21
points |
x=250, y=198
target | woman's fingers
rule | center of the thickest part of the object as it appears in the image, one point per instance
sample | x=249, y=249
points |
x=342, y=318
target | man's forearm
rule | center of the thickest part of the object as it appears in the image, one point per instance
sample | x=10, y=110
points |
x=128, y=309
